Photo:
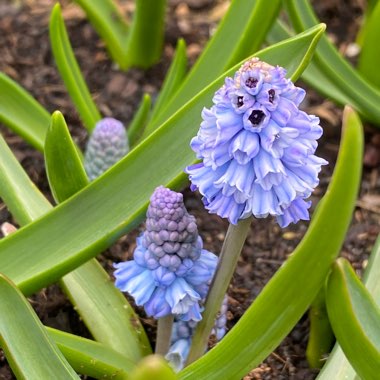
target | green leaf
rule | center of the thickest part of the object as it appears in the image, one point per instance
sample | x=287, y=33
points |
x=104, y=310
x=94, y=218
x=146, y=36
x=64, y=166
x=370, y=6
x=173, y=78
x=109, y=24
x=312, y=75
x=364, y=97
x=137, y=125
x=153, y=367
x=30, y=352
x=355, y=319
x=22, y=113
x=70, y=72
x=274, y=312
x=223, y=50
x=298, y=54
x=102, y=307
x=337, y=366
x=369, y=58
x=91, y=358
x=17, y=186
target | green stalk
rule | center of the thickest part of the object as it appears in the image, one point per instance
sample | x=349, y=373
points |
x=164, y=332
x=232, y=246
x=321, y=336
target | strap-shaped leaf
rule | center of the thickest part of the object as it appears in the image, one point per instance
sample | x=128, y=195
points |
x=140, y=118
x=369, y=58
x=70, y=72
x=275, y=311
x=30, y=351
x=16, y=186
x=173, y=78
x=63, y=163
x=91, y=358
x=94, y=218
x=102, y=307
x=146, y=36
x=245, y=20
x=313, y=74
x=355, y=319
x=364, y=97
x=109, y=24
x=22, y=113
x=337, y=366
x=104, y=310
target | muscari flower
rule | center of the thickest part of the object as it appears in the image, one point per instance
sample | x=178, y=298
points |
x=170, y=267
x=106, y=146
x=182, y=334
x=257, y=148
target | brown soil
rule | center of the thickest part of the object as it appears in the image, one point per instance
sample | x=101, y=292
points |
x=25, y=55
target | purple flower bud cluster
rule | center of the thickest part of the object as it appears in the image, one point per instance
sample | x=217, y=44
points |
x=170, y=271
x=106, y=146
x=257, y=148
x=182, y=334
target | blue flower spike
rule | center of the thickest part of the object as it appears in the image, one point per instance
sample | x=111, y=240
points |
x=107, y=145
x=257, y=148
x=257, y=158
x=170, y=267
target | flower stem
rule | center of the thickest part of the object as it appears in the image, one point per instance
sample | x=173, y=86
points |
x=164, y=332
x=232, y=246
x=321, y=336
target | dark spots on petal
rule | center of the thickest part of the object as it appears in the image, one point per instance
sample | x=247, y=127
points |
x=256, y=117
x=240, y=101
x=251, y=82
x=271, y=94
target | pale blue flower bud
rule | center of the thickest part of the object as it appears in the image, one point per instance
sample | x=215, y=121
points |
x=108, y=144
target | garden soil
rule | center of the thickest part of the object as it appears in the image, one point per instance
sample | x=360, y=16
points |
x=25, y=55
